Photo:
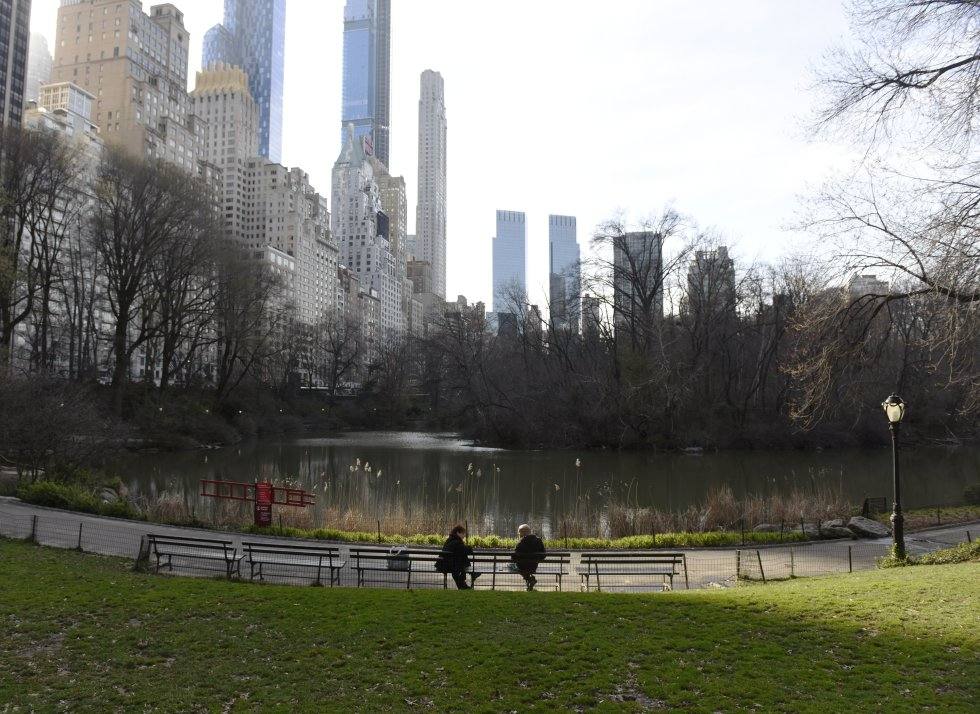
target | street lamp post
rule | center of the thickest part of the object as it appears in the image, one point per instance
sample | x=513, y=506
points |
x=894, y=409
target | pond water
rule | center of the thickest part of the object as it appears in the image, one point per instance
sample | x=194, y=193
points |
x=438, y=477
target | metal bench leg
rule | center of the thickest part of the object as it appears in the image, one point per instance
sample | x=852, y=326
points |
x=319, y=565
x=408, y=580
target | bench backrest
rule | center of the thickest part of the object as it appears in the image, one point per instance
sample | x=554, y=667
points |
x=326, y=553
x=629, y=558
x=419, y=554
x=156, y=540
x=290, y=549
x=500, y=556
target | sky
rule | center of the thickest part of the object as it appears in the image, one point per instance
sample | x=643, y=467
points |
x=590, y=108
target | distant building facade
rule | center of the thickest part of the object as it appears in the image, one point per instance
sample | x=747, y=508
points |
x=253, y=37
x=638, y=294
x=39, y=65
x=366, y=102
x=711, y=283
x=868, y=284
x=135, y=65
x=15, y=24
x=430, y=223
x=509, y=260
x=564, y=273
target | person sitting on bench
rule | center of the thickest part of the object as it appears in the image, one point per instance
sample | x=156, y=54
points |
x=528, y=553
x=455, y=557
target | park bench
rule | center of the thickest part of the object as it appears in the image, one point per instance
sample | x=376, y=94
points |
x=367, y=561
x=495, y=563
x=167, y=547
x=313, y=557
x=664, y=566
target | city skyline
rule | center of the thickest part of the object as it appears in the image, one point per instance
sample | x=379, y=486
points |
x=741, y=174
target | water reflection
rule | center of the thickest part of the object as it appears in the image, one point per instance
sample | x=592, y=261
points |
x=432, y=478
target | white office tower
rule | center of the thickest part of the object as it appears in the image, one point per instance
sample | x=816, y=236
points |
x=430, y=221
x=363, y=231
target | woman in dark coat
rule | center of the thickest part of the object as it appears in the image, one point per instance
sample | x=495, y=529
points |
x=455, y=557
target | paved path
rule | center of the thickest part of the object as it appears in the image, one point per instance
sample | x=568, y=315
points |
x=706, y=567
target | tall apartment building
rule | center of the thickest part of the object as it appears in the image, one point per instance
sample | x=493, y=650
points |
x=711, y=282
x=15, y=23
x=135, y=65
x=638, y=284
x=284, y=211
x=367, y=74
x=221, y=97
x=565, y=283
x=509, y=260
x=363, y=230
x=39, y=65
x=270, y=210
x=430, y=222
x=394, y=204
x=867, y=284
x=253, y=37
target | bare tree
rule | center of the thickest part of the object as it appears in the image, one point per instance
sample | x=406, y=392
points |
x=37, y=186
x=141, y=208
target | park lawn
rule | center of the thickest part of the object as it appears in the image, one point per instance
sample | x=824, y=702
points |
x=82, y=632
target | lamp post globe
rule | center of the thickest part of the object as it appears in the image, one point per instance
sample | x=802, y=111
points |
x=894, y=409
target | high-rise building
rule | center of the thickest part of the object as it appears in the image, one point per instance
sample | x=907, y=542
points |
x=15, y=23
x=711, y=283
x=367, y=74
x=363, y=230
x=221, y=97
x=430, y=222
x=867, y=284
x=39, y=64
x=253, y=37
x=509, y=261
x=135, y=65
x=564, y=283
x=285, y=212
x=638, y=283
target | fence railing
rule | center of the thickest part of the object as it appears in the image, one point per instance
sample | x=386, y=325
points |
x=706, y=568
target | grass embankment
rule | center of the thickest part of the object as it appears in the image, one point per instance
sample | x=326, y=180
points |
x=919, y=518
x=87, y=633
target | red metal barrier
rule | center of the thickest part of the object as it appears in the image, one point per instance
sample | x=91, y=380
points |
x=237, y=491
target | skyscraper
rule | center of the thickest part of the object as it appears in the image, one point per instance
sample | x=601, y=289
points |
x=563, y=258
x=638, y=284
x=39, y=64
x=367, y=73
x=430, y=222
x=253, y=37
x=15, y=23
x=509, y=260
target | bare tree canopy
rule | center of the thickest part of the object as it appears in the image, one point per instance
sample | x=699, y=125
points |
x=916, y=61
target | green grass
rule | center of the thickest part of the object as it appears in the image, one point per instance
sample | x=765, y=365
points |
x=710, y=539
x=84, y=633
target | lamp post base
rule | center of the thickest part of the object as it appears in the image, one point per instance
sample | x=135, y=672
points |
x=898, y=533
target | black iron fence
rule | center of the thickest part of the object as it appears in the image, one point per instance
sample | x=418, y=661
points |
x=706, y=568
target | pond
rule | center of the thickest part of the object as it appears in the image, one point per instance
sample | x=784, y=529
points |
x=416, y=480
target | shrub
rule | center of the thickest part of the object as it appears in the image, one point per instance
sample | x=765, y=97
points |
x=962, y=553
x=971, y=494
x=73, y=497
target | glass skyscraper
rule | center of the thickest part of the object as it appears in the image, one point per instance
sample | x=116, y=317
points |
x=563, y=258
x=367, y=73
x=15, y=21
x=509, y=260
x=253, y=37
